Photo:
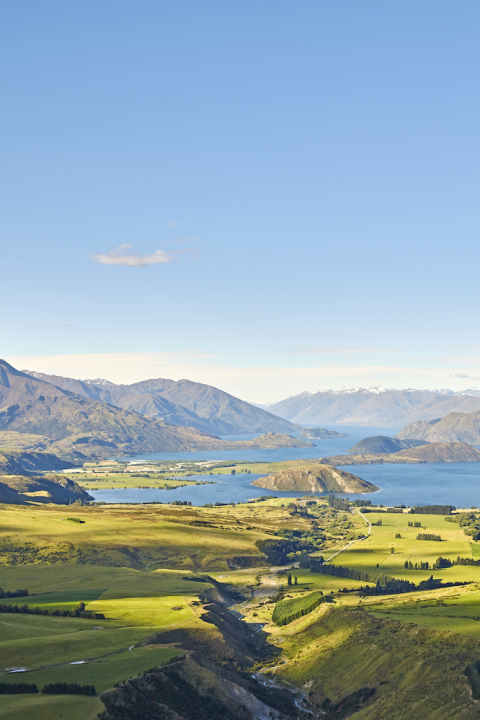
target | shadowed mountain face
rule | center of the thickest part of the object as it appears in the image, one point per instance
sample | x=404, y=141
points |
x=49, y=488
x=183, y=403
x=464, y=427
x=376, y=407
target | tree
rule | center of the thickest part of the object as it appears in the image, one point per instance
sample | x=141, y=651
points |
x=289, y=579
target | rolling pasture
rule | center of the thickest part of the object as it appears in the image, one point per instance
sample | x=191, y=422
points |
x=139, y=566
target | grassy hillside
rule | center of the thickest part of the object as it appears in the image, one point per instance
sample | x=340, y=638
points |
x=164, y=577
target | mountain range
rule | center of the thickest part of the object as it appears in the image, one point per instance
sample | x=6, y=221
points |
x=38, y=416
x=375, y=407
x=183, y=403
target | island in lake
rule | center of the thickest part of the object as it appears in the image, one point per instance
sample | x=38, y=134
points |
x=321, y=434
x=315, y=477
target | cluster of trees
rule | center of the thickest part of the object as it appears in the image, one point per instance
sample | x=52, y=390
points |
x=278, y=549
x=429, y=536
x=62, y=688
x=79, y=611
x=433, y=509
x=354, y=574
x=395, y=510
x=338, y=503
x=418, y=566
x=391, y=586
x=289, y=579
x=414, y=523
x=469, y=522
x=442, y=562
x=13, y=594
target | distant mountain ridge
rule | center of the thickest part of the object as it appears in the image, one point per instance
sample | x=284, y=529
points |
x=183, y=403
x=456, y=426
x=79, y=428
x=375, y=407
x=434, y=452
x=37, y=415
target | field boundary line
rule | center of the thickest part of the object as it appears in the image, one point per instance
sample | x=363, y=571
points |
x=365, y=537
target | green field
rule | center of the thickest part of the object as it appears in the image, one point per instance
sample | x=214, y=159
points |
x=136, y=565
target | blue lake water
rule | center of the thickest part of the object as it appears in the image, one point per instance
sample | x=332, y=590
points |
x=433, y=483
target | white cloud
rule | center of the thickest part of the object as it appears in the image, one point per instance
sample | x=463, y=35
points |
x=127, y=256
x=332, y=350
x=464, y=376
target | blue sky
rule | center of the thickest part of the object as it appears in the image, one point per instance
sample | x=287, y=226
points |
x=265, y=196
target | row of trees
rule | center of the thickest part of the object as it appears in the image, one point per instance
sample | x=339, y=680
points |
x=433, y=509
x=13, y=594
x=418, y=566
x=79, y=611
x=59, y=688
x=429, y=536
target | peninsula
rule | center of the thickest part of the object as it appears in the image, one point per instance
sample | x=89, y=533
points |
x=430, y=453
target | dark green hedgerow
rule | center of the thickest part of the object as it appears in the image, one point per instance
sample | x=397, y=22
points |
x=287, y=610
x=17, y=688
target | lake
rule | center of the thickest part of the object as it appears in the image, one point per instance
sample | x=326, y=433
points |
x=433, y=483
